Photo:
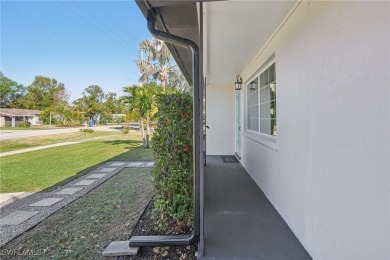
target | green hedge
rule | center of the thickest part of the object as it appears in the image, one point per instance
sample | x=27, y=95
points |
x=24, y=124
x=172, y=175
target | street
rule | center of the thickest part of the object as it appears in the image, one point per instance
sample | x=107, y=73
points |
x=15, y=134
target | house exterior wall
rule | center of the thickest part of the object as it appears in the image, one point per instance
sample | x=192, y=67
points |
x=329, y=174
x=220, y=117
x=34, y=120
x=2, y=121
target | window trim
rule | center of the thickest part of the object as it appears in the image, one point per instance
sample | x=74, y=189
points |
x=259, y=137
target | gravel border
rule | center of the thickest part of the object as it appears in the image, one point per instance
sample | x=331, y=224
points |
x=9, y=232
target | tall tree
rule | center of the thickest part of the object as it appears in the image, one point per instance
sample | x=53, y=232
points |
x=155, y=62
x=179, y=82
x=92, y=101
x=142, y=101
x=112, y=105
x=47, y=95
x=10, y=92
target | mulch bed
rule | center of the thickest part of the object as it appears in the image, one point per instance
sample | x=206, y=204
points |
x=144, y=227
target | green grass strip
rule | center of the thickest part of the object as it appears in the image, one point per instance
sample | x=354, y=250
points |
x=39, y=170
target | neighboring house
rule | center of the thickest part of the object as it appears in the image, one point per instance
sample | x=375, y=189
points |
x=12, y=117
x=118, y=117
x=311, y=122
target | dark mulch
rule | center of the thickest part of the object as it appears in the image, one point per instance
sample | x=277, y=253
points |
x=144, y=227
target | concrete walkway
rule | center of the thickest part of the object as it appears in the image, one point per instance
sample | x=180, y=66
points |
x=49, y=146
x=239, y=220
x=38, y=148
x=7, y=198
x=24, y=213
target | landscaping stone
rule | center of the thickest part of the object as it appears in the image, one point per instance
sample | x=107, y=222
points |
x=120, y=248
x=17, y=217
x=84, y=182
x=46, y=202
x=69, y=191
x=96, y=176
x=117, y=164
x=135, y=164
x=107, y=169
x=150, y=164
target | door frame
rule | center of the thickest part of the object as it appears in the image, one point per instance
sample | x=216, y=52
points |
x=238, y=125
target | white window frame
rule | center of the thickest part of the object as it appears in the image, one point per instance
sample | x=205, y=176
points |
x=262, y=138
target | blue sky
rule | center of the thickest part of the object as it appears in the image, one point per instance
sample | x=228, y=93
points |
x=79, y=43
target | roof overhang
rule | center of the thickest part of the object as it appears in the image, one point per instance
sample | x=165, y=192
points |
x=233, y=32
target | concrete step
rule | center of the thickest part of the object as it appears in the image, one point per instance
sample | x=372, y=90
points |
x=120, y=248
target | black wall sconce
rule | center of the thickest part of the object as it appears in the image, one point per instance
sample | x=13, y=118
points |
x=252, y=85
x=238, y=83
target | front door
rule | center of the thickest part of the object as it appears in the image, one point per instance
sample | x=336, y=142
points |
x=238, y=124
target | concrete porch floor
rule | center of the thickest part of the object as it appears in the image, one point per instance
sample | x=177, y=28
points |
x=239, y=221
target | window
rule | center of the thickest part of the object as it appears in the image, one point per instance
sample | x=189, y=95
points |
x=261, y=113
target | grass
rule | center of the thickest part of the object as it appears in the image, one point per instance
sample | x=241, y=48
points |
x=23, y=143
x=43, y=169
x=85, y=227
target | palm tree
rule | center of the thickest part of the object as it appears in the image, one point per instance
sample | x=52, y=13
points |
x=142, y=101
x=155, y=62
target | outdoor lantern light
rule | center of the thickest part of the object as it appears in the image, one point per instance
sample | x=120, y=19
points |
x=252, y=85
x=238, y=82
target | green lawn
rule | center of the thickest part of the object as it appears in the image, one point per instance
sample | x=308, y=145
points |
x=23, y=143
x=38, y=170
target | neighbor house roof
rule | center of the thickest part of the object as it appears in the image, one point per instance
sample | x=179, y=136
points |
x=18, y=112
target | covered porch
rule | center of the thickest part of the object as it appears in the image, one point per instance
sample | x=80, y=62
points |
x=239, y=220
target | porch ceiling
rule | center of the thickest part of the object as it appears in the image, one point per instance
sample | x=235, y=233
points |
x=235, y=31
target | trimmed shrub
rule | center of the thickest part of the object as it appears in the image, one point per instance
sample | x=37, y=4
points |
x=87, y=130
x=125, y=130
x=24, y=124
x=172, y=175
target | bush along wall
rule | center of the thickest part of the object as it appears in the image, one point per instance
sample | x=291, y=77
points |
x=172, y=175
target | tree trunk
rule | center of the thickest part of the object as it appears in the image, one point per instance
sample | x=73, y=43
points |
x=143, y=131
x=163, y=83
x=147, y=131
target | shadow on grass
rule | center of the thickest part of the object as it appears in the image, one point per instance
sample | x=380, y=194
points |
x=119, y=142
x=136, y=153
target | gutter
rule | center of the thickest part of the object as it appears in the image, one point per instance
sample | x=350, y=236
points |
x=193, y=238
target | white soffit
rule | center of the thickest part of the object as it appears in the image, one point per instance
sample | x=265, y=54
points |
x=235, y=31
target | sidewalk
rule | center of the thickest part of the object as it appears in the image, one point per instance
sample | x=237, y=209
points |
x=49, y=146
x=39, y=148
x=7, y=198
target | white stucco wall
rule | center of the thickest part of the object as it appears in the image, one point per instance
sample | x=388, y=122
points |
x=329, y=177
x=220, y=117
